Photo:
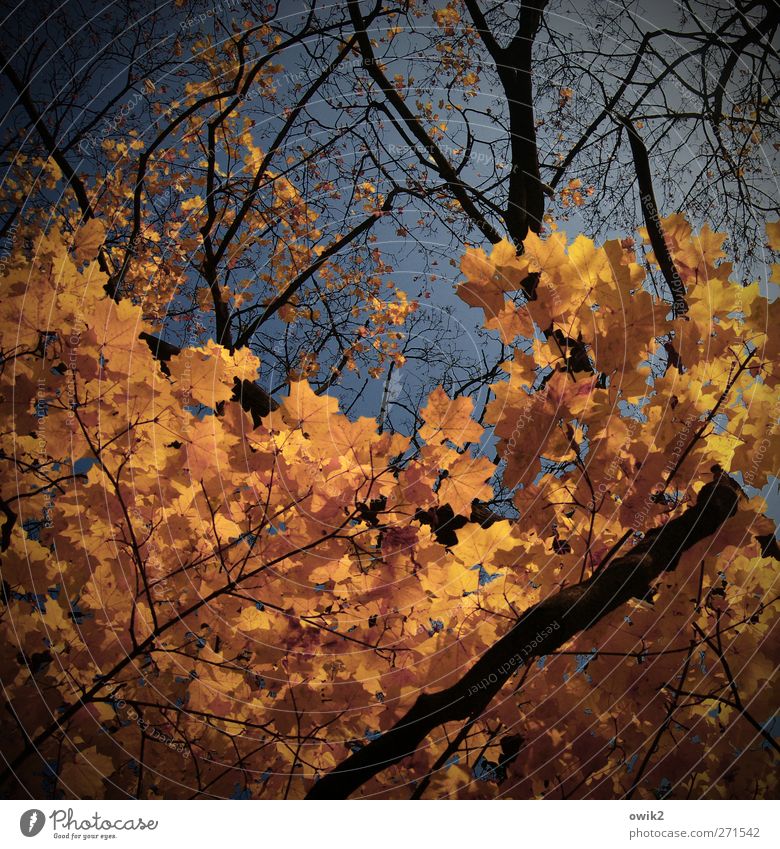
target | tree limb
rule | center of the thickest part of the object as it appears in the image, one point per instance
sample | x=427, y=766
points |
x=559, y=618
x=652, y=217
x=456, y=185
x=525, y=203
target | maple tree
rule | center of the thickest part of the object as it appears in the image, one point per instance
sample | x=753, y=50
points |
x=276, y=594
x=215, y=586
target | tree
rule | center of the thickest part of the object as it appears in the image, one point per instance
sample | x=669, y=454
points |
x=546, y=578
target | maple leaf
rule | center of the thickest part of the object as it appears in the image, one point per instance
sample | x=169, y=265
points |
x=310, y=412
x=83, y=778
x=466, y=480
x=207, y=375
x=447, y=420
x=513, y=321
x=89, y=237
x=490, y=278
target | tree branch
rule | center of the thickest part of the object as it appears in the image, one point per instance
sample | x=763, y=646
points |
x=525, y=203
x=562, y=616
x=652, y=217
x=445, y=168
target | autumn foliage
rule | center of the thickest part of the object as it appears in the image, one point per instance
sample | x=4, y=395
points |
x=548, y=568
x=195, y=604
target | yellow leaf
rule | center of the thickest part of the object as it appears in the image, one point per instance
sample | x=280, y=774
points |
x=206, y=375
x=773, y=234
x=309, y=411
x=89, y=238
x=466, y=480
x=83, y=779
x=448, y=420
